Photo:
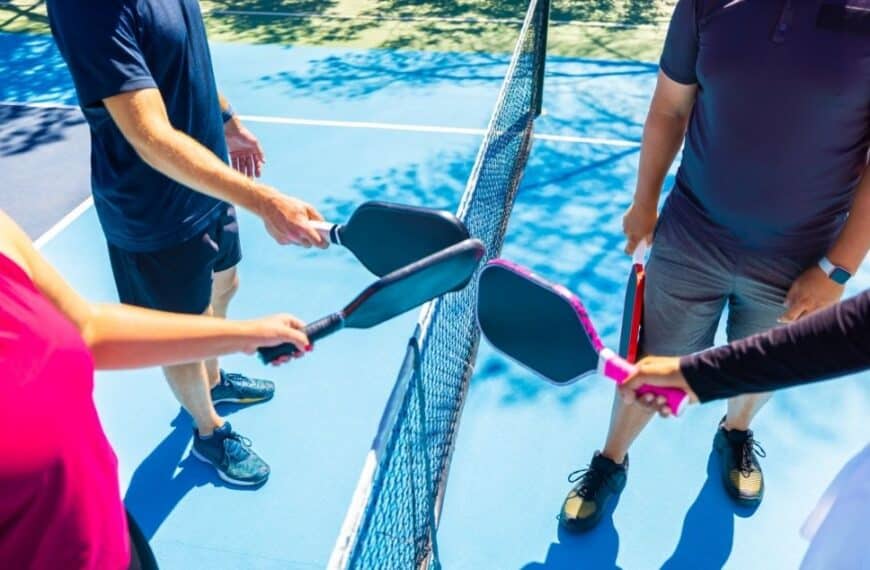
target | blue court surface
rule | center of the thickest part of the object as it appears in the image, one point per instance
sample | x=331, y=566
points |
x=341, y=126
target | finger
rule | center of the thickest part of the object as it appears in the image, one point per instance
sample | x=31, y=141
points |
x=793, y=313
x=311, y=236
x=294, y=322
x=258, y=167
x=631, y=245
x=627, y=395
x=298, y=339
x=249, y=167
x=313, y=214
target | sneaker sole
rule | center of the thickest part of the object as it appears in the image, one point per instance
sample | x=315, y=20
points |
x=240, y=400
x=223, y=475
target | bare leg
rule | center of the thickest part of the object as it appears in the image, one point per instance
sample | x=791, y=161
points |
x=742, y=409
x=626, y=423
x=192, y=383
x=189, y=383
x=226, y=283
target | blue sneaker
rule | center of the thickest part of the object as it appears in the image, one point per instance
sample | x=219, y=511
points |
x=238, y=389
x=231, y=455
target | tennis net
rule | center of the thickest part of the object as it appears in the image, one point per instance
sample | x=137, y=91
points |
x=393, y=516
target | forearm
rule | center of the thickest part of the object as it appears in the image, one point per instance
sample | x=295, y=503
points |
x=122, y=336
x=832, y=342
x=663, y=135
x=186, y=161
x=853, y=242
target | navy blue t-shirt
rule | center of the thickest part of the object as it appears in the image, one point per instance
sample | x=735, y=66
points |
x=779, y=134
x=116, y=46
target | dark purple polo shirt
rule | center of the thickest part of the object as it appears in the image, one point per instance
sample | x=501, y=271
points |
x=779, y=135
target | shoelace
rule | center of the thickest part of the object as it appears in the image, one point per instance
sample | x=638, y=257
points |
x=237, y=446
x=589, y=479
x=749, y=447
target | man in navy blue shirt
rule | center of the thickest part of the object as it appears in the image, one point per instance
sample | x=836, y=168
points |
x=770, y=212
x=163, y=189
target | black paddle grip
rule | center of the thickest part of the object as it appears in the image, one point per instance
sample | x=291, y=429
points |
x=315, y=331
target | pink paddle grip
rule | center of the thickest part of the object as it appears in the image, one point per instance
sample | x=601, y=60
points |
x=618, y=369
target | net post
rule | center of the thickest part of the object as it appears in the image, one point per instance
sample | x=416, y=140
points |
x=543, y=8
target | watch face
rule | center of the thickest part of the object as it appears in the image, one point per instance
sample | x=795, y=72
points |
x=840, y=275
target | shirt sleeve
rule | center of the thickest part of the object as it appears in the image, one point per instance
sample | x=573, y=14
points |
x=681, y=44
x=830, y=343
x=99, y=42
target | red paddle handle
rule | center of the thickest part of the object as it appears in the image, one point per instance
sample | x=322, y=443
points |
x=618, y=369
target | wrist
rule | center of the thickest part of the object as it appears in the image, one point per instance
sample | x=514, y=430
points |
x=645, y=200
x=258, y=198
x=836, y=272
x=228, y=114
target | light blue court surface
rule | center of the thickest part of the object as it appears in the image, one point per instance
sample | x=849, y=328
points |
x=519, y=438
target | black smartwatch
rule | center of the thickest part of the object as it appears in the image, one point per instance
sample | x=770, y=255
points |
x=227, y=114
x=835, y=272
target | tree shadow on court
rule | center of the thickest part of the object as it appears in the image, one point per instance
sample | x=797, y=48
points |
x=440, y=25
x=168, y=474
x=33, y=70
x=23, y=129
x=707, y=537
x=23, y=16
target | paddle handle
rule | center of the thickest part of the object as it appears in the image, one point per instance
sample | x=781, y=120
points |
x=639, y=255
x=327, y=230
x=618, y=369
x=315, y=331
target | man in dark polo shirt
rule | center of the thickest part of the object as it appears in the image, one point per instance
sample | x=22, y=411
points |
x=163, y=189
x=770, y=212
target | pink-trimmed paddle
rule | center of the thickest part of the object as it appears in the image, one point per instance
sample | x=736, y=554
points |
x=546, y=328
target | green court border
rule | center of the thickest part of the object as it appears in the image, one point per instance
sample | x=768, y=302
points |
x=599, y=29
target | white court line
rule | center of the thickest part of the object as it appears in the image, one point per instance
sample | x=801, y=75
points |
x=64, y=222
x=428, y=129
x=435, y=19
x=400, y=127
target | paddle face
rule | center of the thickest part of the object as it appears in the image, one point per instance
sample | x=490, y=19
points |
x=447, y=270
x=537, y=323
x=386, y=237
x=632, y=315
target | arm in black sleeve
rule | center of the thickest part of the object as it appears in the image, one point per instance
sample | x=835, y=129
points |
x=829, y=343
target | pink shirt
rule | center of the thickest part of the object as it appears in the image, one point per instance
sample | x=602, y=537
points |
x=60, y=505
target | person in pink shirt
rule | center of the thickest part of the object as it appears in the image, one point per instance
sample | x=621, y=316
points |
x=60, y=502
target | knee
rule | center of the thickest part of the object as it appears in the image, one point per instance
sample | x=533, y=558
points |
x=226, y=290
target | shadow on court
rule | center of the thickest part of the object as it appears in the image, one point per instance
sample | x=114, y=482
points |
x=707, y=537
x=33, y=70
x=169, y=472
x=596, y=549
x=441, y=25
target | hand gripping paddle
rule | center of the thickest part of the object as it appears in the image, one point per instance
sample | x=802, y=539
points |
x=400, y=291
x=546, y=328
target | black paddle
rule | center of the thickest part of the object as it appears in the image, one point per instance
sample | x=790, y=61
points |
x=546, y=328
x=400, y=291
x=385, y=237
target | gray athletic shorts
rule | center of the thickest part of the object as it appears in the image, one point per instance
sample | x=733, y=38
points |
x=690, y=281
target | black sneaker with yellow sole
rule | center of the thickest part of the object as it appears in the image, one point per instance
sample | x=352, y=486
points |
x=741, y=472
x=595, y=487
